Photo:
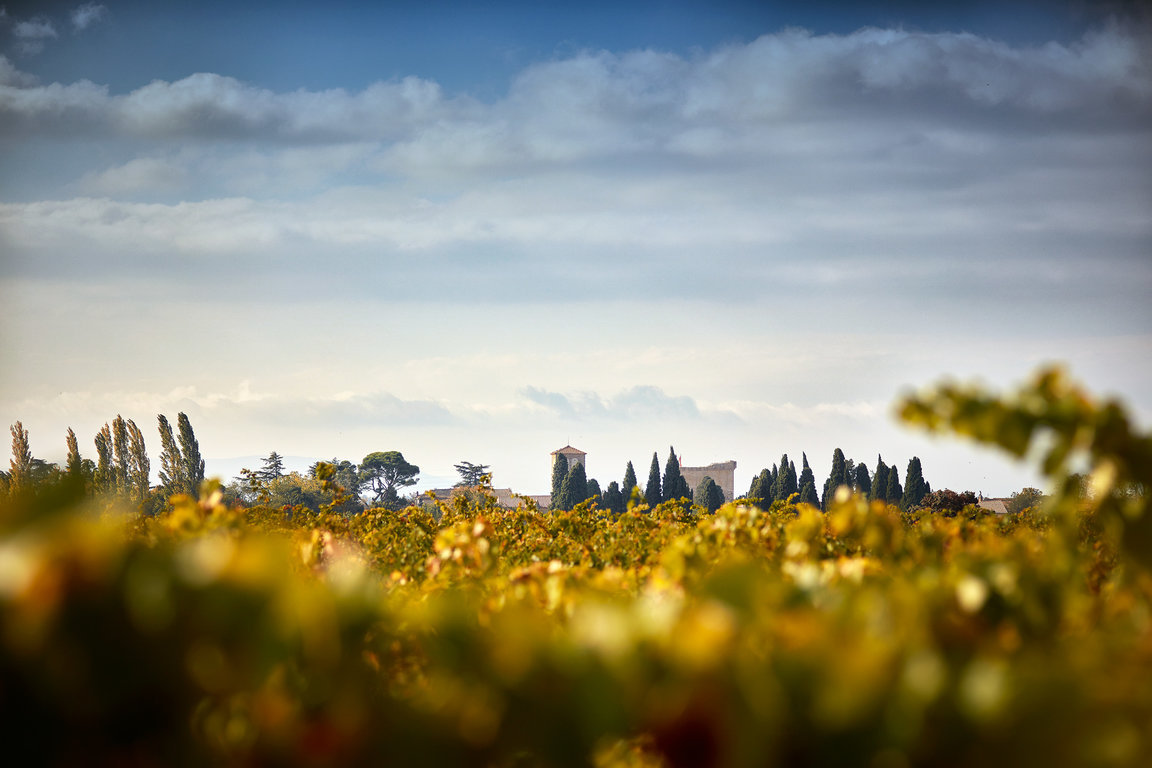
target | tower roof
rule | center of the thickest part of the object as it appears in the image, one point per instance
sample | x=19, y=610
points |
x=570, y=451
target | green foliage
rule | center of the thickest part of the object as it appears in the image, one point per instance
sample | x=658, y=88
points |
x=674, y=485
x=74, y=464
x=837, y=477
x=192, y=471
x=629, y=482
x=384, y=472
x=708, y=495
x=574, y=489
x=273, y=468
x=786, y=482
x=614, y=500
x=880, y=481
x=862, y=483
x=1026, y=498
x=915, y=489
x=104, y=477
x=652, y=492
x=895, y=493
x=471, y=474
x=559, y=472
x=172, y=467
x=139, y=467
x=20, y=465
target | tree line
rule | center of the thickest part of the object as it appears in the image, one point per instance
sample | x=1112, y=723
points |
x=570, y=487
x=121, y=467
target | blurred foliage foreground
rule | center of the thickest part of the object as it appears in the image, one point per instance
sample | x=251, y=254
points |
x=864, y=636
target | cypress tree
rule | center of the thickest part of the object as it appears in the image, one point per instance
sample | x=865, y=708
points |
x=850, y=474
x=708, y=495
x=674, y=483
x=20, y=466
x=880, y=481
x=808, y=494
x=190, y=449
x=574, y=489
x=863, y=482
x=779, y=478
x=559, y=472
x=652, y=490
x=837, y=477
x=895, y=493
x=171, y=462
x=629, y=484
x=614, y=499
x=594, y=492
x=786, y=483
x=756, y=489
x=914, y=485
x=807, y=477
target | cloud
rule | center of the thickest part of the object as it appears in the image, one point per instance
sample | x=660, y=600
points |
x=31, y=34
x=601, y=105
x=639, y=403
x=86, y=15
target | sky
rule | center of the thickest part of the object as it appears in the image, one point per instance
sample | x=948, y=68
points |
x=480, y=232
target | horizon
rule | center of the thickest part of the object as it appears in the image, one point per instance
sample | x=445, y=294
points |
x=739, y=229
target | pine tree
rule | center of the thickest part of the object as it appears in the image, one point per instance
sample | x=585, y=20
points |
x=895, y=493
x=652, y=490
x=20, y=466
x=863, y=482
x=272, y=469
x=104, y=478
x=914, y=485
x=75, y=465
x=171, y=462
x=190, y=451
x=139, y=468
x=628, y=485
x=559, y=472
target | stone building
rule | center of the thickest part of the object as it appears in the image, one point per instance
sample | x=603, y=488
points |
x=574, y=456
x=722, y=473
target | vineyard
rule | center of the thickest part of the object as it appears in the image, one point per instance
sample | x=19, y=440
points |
x=479, y=635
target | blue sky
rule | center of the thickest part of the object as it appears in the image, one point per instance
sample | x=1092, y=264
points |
x=478, y=234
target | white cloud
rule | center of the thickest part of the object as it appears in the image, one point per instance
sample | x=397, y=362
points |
x=86, y=15
x=32, y=33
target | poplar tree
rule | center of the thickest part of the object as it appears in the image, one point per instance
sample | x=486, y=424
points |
x=171, y=462
x=139, y=468
x=190, y=452
x=559, y=472
x=652, y=490
x=20, y=465
x=915, y=489
x=629, y=484
x=104, y=478
x=75, y=465
x=120, y=451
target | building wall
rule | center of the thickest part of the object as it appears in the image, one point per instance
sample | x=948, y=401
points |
x=722, y=473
